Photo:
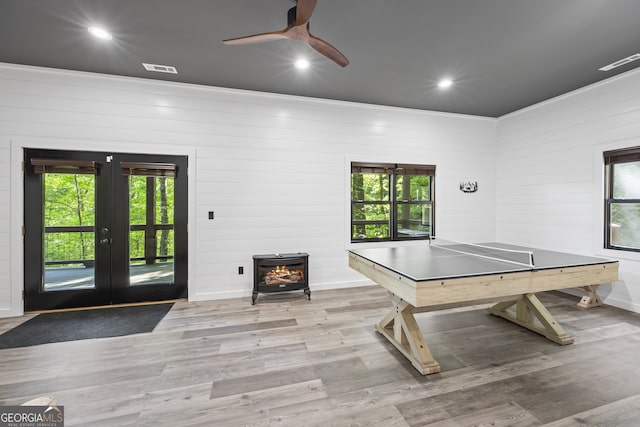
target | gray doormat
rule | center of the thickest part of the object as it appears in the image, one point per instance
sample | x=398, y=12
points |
x=85, y=324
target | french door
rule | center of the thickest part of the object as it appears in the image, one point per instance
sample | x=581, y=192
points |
x=103, y=228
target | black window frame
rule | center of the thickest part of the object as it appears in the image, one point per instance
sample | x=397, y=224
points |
x=611, y=159
x=393, y=170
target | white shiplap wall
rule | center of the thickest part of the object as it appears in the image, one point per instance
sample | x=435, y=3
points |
x=272, y=168
x=549, y=174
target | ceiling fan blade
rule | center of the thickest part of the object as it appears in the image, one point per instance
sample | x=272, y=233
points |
x=297, y=29
x=304, y=10
x=327, y=50
x=257, y=38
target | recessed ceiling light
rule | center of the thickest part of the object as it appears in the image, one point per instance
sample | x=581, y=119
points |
x=302, y=64
x=100, y=33
x=445, y=83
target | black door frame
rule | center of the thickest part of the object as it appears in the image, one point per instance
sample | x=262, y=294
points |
x=111, y=260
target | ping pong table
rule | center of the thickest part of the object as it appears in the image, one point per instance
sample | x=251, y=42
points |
x=432, y=277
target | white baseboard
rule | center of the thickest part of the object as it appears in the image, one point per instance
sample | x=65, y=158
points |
x=8, y=312
x=620, y=303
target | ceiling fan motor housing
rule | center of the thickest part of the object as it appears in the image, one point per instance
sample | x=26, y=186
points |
x=291, y=16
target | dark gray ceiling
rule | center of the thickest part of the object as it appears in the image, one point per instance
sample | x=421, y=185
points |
x=503, y=54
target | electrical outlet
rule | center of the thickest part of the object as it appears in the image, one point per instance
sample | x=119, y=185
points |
x=241, y=270
x=210, y=214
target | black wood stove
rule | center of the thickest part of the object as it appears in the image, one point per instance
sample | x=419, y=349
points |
x=280, y=272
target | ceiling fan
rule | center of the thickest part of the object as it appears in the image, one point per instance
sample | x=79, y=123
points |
x=297, y=29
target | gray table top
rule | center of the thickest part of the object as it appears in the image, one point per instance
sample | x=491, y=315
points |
x=431, y=262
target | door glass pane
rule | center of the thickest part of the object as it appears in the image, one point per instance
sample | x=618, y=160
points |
x=69, y=237
x=164, y=192
x=151, y=242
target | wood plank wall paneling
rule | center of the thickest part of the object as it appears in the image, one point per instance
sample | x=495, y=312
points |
x=547, y=178
x=273, y=168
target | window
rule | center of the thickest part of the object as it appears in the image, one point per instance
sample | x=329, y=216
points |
x=391, y=201
x=622, y=199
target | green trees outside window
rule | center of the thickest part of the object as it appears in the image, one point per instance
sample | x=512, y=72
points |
x=391, y=201
x=69, y=218
x=155, y=230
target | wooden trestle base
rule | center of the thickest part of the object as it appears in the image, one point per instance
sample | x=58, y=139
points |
x=528, y=312
x=400, y=328
x=590, y=298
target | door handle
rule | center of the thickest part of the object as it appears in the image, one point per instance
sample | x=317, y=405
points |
x=106, y=238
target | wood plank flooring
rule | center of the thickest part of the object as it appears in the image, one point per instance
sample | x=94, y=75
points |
x=288, y=361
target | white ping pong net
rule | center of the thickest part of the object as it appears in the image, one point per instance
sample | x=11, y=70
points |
x=512, y=256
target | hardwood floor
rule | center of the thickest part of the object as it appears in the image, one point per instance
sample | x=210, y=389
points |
x=288, y=361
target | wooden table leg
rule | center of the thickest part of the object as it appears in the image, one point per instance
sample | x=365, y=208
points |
x=528, y=312
x=401, y=329
x=590, y=298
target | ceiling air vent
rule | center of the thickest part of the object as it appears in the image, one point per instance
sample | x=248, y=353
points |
x=620, y=62
x=160, y=68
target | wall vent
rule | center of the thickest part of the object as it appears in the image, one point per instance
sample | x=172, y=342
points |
x=620, y=62
x=160, y=68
